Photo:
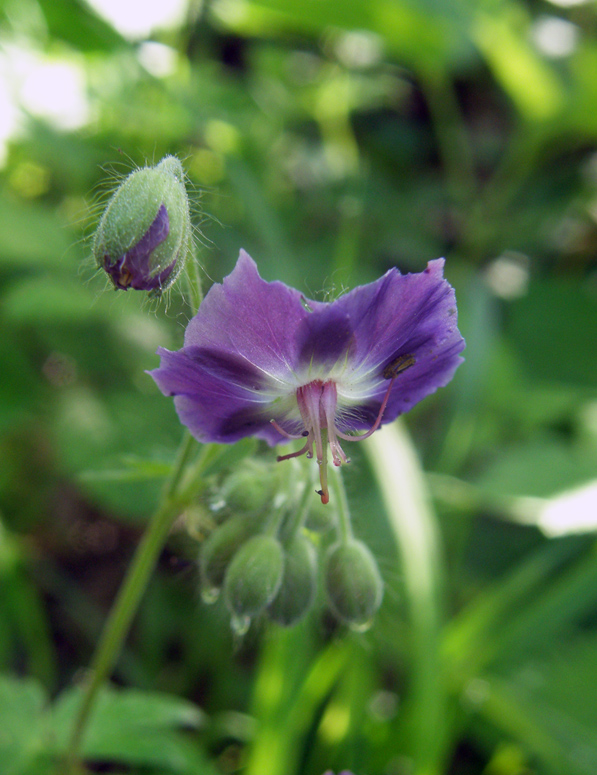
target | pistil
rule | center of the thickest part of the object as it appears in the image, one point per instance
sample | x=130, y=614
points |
x=318, y=403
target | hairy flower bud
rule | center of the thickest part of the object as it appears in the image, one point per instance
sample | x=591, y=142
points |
x=299, y=583
x=216, y=553
x=144, y=235
x=353, y=584
x=254, y=576
x=249, y=489
x=321, y=517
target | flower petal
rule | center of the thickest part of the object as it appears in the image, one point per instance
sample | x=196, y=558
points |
x=402, y=315
x=325, y=337
x=216, y=401
x=251, y=319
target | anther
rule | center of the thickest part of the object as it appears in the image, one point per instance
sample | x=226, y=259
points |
x=398, y=365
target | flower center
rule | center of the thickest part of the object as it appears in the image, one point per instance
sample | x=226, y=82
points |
x=317, y=402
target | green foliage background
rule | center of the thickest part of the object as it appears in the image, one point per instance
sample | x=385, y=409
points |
x=332, y=141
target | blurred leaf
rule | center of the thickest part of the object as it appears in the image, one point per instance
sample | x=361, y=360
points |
x=557, y=608
x=426, y=36
x=132, y=470
x=75, y=23
x=549, y=705
x=224, y=456
x=136, y=728
x=31, y=235
x=96, y=431
x=19, y=384
x=554, y=329
x=540, y=468
x=420, y=553
x=529, y=80
x=48, y=299
x=23, y=610
x=23, y=730
x=472, y=637
x=582, y=93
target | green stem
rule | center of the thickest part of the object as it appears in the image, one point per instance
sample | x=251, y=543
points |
x=193, y=281
x=344, y=521
x=187, y=445
x=130, y=594
x=298, y=516
x=401, y=481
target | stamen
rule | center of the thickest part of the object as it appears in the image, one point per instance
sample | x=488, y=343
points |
x=306, y=449
x=329, y=402
x=398, y=365
x=377, y=422
x=323, y=470
x=309, y=400
x=287, y=435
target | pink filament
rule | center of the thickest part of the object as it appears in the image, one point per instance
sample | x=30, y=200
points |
x=317, y=402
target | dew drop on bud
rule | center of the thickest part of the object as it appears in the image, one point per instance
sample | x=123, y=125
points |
x=240, y=624
x=360, y=626
x=210, y=595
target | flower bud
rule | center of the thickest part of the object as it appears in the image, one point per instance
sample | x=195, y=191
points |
x=254, y=576
x=216, y=553
x=299, y=583
x=144, y=235
x=353, y=584
x=249, y=489
x=321, y=517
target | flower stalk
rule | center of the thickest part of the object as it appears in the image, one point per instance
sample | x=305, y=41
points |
x=129, y=596
x=184, y=484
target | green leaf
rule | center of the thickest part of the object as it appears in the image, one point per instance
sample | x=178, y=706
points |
x=135, y=728
x=22, y=726
x=132, y=470
x=554, y=329
x=529, y=80
x=76, y=24
x=96, y=431
x=541, y=468
x=31, y=235
x=549, y=706
x=426, y=36
x=48, y=299
x=23, y=611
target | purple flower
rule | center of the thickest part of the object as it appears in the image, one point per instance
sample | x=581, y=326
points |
x=259, y=359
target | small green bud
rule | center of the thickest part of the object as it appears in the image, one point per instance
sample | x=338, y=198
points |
x=321, y=517
x=254, y=576
x=249, y=489
x=144, y=235
x=216, y=553
x=299, y=583
x=353, y=584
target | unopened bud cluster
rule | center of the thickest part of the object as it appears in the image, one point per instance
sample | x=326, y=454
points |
x=144, y=236
x=264, y=556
